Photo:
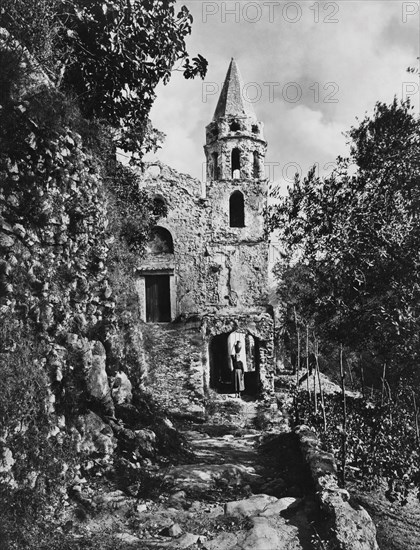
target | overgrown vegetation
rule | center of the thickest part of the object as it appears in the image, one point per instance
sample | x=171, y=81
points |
x=382, y=437
x=77, y=81
x=109, y=55
x=349, y=286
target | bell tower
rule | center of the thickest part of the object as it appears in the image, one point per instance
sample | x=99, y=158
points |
x=235, y=145
x=236, y=194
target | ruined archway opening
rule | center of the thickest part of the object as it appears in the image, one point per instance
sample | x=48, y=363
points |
x=236, y=163
x=236, y=210
x=221, y=352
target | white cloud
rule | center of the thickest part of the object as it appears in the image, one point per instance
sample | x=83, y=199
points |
x=365, y=54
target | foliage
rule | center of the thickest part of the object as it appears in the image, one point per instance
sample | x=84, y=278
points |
x=132, y=212
x=352, y=241
x=42, y=458
x=381, y=434
x=109, y=54
x=73, y=222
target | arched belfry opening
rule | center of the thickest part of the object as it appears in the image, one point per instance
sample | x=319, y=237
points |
x=221, y=352
x=234, y=126
x=236, y=210
x=236, y=163
x=256, y=165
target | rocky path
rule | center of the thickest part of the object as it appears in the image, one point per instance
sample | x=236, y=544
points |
x=243, y=490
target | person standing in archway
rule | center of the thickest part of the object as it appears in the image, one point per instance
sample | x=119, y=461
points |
x=238, y=370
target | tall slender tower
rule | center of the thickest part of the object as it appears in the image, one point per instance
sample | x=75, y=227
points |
x=236, y=191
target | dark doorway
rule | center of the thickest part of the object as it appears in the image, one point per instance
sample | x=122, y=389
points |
x=158, y=299
x=221, y=378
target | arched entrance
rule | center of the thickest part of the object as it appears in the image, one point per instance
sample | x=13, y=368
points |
x=220, y=351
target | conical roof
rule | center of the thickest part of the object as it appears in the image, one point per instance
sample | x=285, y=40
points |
x=231, y=101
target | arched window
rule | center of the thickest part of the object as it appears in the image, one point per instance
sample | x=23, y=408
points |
x=236, y=164
x=159, y=206
x=234, y=126
x=160, y=241
x=256, y=165
x=215, y=157
x=236, y=210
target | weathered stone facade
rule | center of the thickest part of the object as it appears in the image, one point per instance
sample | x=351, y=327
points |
x=208, y=259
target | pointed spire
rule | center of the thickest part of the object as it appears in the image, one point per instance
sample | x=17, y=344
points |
x=231, y=101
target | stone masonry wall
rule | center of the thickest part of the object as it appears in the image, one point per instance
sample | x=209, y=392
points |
x=188, y=226
x=352, y=527
x=216, y=268
x=173, y=353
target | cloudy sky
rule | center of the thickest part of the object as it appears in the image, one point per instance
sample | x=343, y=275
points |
x=309, y=68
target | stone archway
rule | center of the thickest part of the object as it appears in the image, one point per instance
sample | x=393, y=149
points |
x=216, y=330
x=220, y=351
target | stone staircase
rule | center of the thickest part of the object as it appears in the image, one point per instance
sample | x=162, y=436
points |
x=246, y=491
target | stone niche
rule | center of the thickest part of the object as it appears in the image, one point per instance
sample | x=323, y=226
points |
x=256, y=331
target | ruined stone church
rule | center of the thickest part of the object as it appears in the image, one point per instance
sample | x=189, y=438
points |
x=203, y=282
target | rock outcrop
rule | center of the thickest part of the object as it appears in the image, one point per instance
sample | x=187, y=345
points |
x=352, y=526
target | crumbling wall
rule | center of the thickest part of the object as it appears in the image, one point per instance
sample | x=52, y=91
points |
x=217, y=274
x=216, y=268
x=352, y=528
x=173, y=353
x=186, y=221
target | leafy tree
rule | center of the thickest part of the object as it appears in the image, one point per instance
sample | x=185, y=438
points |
x=352, y=242
x=109, y=54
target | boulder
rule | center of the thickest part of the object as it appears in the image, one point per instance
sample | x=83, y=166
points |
x=177, y=500
x=353, y=527
x=202, y=477
x=187, y=540
x=96, y=436
x=281, y=505
x=249, y=507
x=173, y=531
x=121, y=389
x=96, y=377
x=224, y=541
x=6, y=460
x=264, y=536
x=146, y=441
x=115, y=501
